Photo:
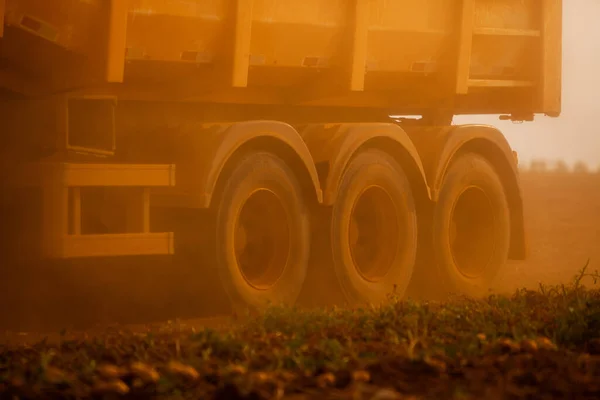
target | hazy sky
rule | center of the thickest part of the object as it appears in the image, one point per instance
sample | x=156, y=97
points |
x=575, y=135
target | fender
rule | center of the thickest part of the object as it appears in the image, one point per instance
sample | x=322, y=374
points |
x=491, y=143
x=229, y=138
x=334, y=145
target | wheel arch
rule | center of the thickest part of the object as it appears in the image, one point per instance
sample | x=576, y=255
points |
x=490, y=143
x=236, y=139
x=335, y=145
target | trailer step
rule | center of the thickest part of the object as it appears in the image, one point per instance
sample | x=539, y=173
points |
x=77, y=246
x=62, y=184
x=89, y=175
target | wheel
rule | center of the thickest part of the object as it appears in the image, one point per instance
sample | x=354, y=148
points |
x=471, y=226
x=373, y=229
x=262, y=233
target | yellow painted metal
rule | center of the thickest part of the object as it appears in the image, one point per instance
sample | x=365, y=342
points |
x=506, y=32
x=116, y=40
x=2, y=8
x=498, y=83
x=61, y=185
x=70, y=24
x=305, y=51
x=241, y=42
x=551, y=61
x=360, y=41
x=123, y=244
x=144, y=175
x=465, y=46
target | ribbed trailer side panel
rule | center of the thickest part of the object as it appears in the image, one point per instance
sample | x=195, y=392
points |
x=426, y=52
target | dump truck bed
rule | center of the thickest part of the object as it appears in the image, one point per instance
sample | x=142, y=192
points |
x=474, y=56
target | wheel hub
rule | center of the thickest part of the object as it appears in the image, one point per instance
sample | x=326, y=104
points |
x=262, y=239
x=471, y=232
x=374, y=233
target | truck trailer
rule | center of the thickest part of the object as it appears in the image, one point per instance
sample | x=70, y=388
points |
x=291, y=126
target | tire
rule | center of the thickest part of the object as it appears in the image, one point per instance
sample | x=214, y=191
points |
x=262, y=199
x=373, y=260
x=471, y=226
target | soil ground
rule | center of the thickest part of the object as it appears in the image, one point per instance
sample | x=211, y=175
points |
x=562, y=214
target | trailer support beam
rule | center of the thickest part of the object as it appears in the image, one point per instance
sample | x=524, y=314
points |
x=359, y=45
x=465, y=46
x=551, y=59
x=116, y=41
x=2, y=8
x=241, y=43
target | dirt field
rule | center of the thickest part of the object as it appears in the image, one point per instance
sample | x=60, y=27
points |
x=563, y=224
x=563, y=221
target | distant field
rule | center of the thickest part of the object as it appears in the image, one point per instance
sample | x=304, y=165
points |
x=562, y=213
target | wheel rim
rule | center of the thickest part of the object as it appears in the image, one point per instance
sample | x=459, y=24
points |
x=472, y=232
x=374, y=233
x=262, y=239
